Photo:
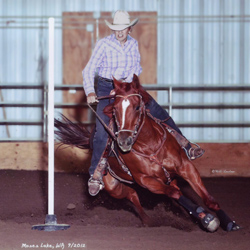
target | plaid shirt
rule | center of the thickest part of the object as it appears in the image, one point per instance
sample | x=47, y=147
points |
x=112, y=60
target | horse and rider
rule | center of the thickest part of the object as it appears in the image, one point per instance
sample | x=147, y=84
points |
x=118, y=56
x=135, y=139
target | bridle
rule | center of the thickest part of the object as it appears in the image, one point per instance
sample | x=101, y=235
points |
x=137, y=127
x=134, y=132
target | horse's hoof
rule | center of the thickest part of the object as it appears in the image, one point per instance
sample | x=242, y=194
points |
x=210, y=222
x=213, y=225
x=233, y=227
x=226, y=223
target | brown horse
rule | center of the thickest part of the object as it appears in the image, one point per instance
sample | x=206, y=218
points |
x=148, y=155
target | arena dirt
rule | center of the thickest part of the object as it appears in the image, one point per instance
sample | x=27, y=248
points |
x=104, y=223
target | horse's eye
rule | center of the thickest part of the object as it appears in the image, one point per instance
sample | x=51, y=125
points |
x=137, y=108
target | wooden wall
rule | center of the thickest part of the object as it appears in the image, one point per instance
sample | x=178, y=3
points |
x=220, y=159
x=34, y=156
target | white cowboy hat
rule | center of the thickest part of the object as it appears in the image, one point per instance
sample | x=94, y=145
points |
x=121, y=21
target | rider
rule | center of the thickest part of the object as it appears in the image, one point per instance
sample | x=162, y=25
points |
x=117, y=55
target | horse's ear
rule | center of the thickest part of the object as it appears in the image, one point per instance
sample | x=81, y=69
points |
x=136, y=82
x=116, y=83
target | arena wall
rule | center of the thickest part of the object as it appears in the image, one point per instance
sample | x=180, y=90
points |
x=220, y=159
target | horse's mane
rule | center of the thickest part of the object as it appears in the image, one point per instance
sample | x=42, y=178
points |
x=125, y=88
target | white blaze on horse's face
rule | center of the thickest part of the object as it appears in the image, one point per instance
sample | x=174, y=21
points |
x=125, y=104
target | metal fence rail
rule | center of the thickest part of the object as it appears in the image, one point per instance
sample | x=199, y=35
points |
x=170, y=105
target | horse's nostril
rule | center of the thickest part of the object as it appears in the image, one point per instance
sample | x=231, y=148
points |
x=129, y=140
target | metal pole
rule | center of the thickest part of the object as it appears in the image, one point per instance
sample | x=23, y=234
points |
x=51, y=119
x=170, y=97
x=51, y=220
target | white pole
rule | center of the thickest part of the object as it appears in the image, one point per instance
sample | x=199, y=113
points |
x=51, y=119
x=51, y=220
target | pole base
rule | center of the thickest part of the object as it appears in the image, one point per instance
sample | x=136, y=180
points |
x=50, y=224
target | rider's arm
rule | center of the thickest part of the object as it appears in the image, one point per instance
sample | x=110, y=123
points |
x=94, y=62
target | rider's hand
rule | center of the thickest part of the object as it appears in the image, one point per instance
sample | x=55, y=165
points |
x=112, y=92
x=92, y=98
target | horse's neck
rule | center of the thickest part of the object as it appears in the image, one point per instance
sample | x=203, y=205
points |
x=150, y=137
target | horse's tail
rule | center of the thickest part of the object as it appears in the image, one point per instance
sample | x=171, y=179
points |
x=73, y=134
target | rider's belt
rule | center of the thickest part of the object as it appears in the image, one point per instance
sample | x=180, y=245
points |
x=105, y=79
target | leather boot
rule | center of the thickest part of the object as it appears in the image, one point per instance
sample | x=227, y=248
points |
x=192, y=152
x=95, y=183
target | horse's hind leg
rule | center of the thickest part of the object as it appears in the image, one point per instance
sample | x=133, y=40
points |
x=120, y=191
x=192, y=176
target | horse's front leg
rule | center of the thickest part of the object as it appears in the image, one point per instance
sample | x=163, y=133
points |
x=118, y=190
x=157, y=186
x=188, y=172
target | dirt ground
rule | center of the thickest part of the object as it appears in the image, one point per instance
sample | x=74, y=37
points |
x=103, y=223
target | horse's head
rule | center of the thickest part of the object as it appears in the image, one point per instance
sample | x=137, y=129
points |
x=128, y=111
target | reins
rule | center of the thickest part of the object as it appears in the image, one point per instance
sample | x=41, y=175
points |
x=153, y=156
x=111, y=133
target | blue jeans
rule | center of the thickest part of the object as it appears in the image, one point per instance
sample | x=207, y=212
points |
x=101, y=136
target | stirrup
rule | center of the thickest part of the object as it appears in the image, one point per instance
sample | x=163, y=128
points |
x=95, y=186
